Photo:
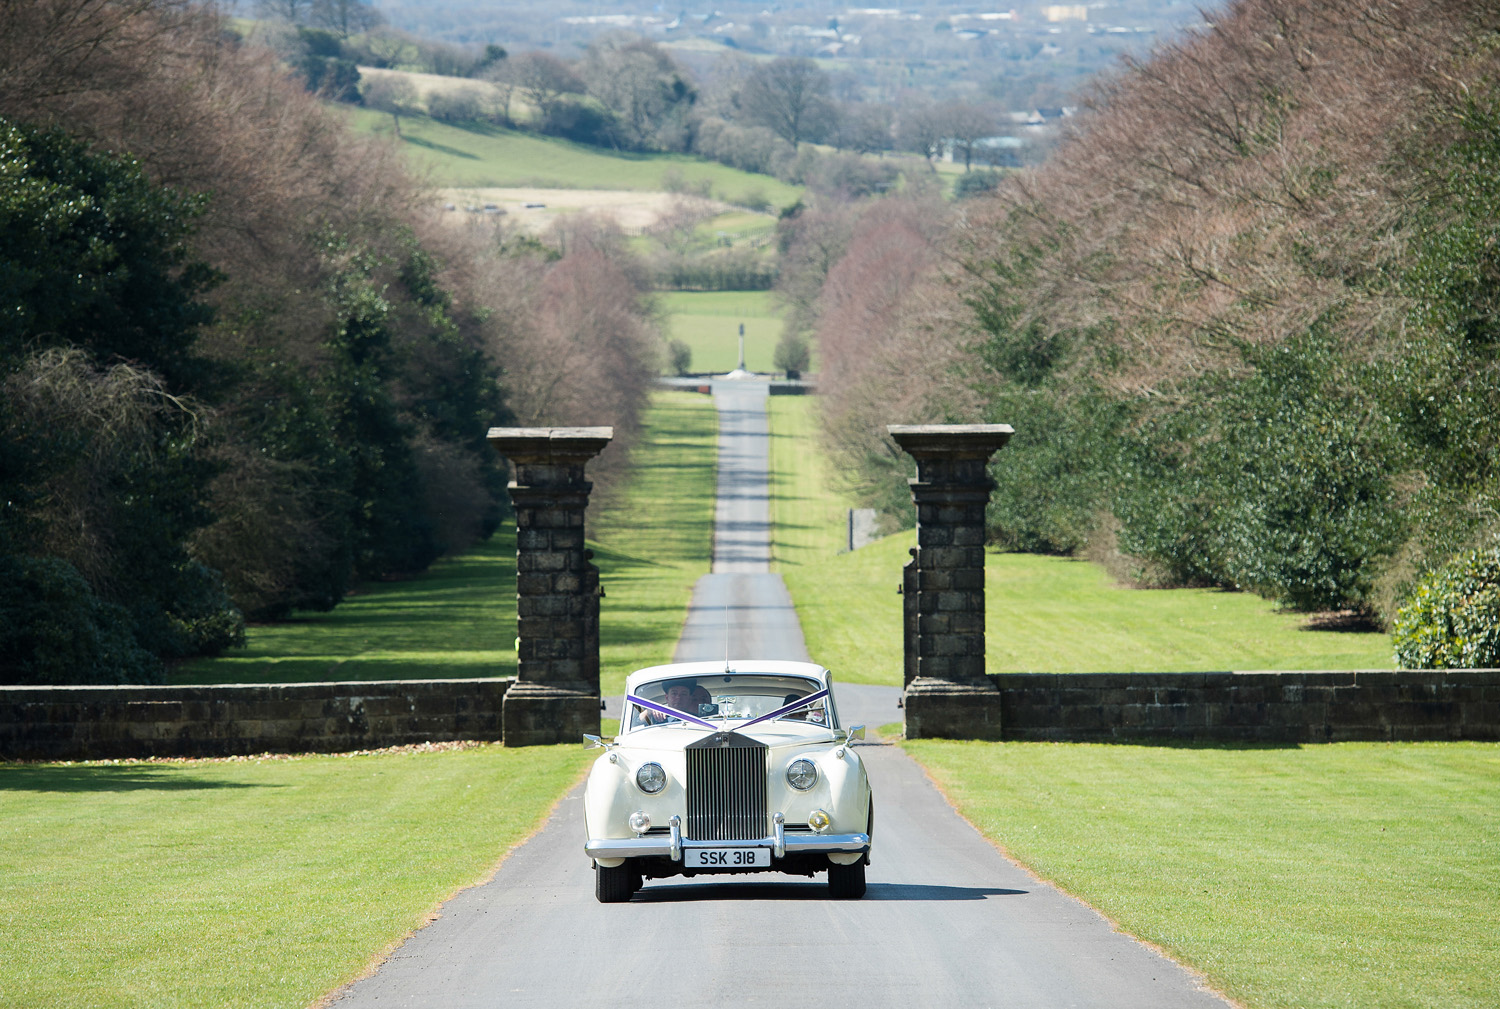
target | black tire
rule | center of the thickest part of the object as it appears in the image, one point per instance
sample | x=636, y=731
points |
x=847, y=882
x=614, y=884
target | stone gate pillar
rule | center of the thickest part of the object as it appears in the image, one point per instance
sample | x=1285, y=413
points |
x=555, y=698
x=947, y=692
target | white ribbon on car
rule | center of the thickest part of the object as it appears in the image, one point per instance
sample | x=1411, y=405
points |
x=662, y=709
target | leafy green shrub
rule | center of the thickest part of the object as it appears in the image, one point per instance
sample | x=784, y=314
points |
x=792, y=354
x=53, y=629
x=1452, y=618
x=681, y=356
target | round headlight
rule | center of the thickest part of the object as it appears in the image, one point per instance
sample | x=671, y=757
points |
x=802, y=774
x=651, y=778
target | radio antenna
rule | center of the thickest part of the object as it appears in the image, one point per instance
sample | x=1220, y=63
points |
x=726, y=636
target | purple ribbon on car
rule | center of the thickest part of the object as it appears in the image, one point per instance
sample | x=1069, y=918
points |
x=662, y=709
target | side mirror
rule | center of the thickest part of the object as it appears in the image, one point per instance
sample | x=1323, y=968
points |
x=593, y=742
x=856, y=732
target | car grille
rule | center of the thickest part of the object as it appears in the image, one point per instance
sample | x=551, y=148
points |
x=726, y=789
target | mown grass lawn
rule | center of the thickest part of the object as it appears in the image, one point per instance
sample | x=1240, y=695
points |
x=709, y=323
x=1042, y=614
x=256, y=883
x=1334, y=875
x=492, y=156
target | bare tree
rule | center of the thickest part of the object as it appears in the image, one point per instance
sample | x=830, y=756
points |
x=294, y=12
x=789, y=97
x=641, y=83
x=543, y=80
x=345, y=17
x=393, y=93
x=967, y=125
x=920, y=127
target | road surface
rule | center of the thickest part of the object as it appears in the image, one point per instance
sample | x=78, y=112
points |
x=946, y=920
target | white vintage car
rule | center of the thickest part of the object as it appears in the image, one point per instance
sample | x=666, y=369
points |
x=728, y=767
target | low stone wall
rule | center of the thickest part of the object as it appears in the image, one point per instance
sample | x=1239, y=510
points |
x=93, y=723
x=1271, y=707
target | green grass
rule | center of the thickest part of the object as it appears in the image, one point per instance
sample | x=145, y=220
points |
x=1042, y=614
x=655, y=538
x=709, y=323
x=257, y=883
x=472, y=157
x=1336, y=875
x=458, y=619
x=651, y=541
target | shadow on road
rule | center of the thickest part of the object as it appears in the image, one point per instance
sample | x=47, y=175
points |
x=682, y=893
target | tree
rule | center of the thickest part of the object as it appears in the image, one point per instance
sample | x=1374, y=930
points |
x=790, y=97
x=393, y=93
x=543, y=80
x=643, y=86
x=345, y=17
x=920, y=127
x=862, y=128
x=966, y=126
x=293, y=12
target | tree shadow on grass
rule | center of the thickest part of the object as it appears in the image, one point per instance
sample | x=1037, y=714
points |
x=108, y=778
x=441, y=148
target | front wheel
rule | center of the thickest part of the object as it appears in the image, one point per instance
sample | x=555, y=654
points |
x=614, y=884
x=847, y=882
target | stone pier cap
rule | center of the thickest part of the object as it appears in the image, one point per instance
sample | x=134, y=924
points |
x=549, y=455
x=950, y=442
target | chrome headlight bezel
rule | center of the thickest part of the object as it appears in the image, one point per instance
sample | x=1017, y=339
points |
x=650, y=777
x=802, y=774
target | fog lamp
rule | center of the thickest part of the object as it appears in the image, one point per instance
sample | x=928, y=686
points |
x=818, y=820
x=640, y=821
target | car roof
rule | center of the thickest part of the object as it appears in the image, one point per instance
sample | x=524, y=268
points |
x=775, y=667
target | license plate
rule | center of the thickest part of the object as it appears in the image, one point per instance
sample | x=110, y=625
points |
x=727, y=858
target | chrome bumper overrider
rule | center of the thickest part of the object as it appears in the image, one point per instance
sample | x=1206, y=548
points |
x=671, y=846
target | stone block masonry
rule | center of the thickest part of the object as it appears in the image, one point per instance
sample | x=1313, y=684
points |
x=98, y=723
x=1251, y=707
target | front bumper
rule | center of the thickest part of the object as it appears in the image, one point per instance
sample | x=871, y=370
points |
x=780, y=842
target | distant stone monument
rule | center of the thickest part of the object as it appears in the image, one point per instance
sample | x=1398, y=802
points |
x=947, y=693
x=555, y=697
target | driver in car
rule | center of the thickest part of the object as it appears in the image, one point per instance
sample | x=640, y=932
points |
x=680, y=696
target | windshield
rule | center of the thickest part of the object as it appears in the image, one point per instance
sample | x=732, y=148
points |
x=733, y=697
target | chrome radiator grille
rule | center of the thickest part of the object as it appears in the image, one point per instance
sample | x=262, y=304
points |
x=726, y=789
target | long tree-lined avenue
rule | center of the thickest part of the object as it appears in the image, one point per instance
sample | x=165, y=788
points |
x=946, y=919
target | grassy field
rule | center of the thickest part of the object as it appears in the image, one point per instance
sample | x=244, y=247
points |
x=1336, y=875
x=256, y=883
x=708, y=322
x=493, y=156
x=1042, y=614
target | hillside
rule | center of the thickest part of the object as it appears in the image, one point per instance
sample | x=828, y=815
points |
x=474, y=156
